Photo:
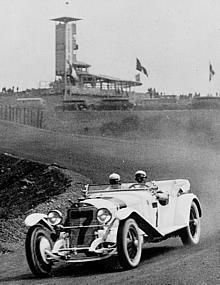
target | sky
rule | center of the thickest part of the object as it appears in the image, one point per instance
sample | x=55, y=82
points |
x=174, y=40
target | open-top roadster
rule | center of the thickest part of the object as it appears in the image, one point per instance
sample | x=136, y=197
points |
x=106, y=222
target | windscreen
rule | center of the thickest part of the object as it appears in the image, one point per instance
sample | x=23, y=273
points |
x=112, y=188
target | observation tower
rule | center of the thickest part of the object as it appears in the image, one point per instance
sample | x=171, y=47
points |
x=75, y=76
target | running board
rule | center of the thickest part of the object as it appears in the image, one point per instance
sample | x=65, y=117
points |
x=170, y=230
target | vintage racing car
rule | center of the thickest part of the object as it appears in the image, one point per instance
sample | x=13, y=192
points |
x=106, y=222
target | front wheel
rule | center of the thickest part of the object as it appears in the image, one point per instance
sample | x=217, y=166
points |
x=37, y=243
x=191, y=234
x=129, y=244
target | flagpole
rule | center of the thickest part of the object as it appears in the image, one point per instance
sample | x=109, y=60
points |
x=65, y=75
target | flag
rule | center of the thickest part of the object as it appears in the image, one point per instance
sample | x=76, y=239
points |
x=137, y=77
x=71, y=71
x=144, y=71
x=140, y=68
x=74, y=74
x=211, y=72
x=138, y=65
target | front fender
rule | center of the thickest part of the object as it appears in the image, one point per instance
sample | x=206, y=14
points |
x=183, y=206
x=124, y=213
x=142, y=223
x=33, y=219
x=38, y=218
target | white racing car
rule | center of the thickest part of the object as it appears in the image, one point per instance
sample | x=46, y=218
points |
x=106, y=222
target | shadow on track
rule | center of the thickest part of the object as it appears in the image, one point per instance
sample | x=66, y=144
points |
x=108, y=266
x=95, y=268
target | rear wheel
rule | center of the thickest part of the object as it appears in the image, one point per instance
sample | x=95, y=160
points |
x=191, y=234
x=37, y=243
x=129, y=244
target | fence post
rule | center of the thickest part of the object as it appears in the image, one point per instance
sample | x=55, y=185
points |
x=13, y=114
x=19, y=115
x=27, y=122
x=12, y=117
x=31, y=118
x=8, y=116
x=38, y=118
x=24, y=111
x=6, y=113
x=16, y=114
x=41, y=118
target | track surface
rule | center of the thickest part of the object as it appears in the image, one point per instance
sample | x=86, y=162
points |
x=166, y=263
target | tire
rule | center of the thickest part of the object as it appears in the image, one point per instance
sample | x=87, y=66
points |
x=129, y=244
x=191, y=234
x=37, y=240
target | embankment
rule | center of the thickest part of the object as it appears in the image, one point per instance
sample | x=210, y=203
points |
x=28, y=186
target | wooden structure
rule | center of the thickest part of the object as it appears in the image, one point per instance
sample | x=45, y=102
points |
x=22, y=115
x=103, y=82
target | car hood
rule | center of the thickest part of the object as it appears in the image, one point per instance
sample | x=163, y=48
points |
x=119, y=200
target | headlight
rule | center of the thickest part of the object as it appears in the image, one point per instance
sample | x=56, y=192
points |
x=54, y=217
x=104, y=215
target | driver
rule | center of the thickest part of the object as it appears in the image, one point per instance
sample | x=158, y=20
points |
x=141, y=177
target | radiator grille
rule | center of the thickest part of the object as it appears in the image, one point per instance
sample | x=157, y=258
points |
x=82, y=215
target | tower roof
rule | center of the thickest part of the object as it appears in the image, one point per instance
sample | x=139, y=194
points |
x=65, y=19
x=81, y=64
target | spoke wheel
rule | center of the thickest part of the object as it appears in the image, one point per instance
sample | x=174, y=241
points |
x=129, y=244
x=191, y=234
x=37, y=243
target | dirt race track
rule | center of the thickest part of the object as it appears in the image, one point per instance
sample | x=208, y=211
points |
x=166, y=263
